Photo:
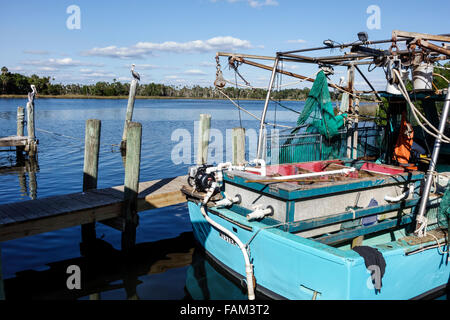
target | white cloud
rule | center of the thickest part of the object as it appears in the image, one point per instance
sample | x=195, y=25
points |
x=47, y=69
x=296, y=41
x=171, y=77
x=195, y=72
x=57, y=63
x=143, y=49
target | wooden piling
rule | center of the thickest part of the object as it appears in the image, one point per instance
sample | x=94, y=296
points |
x=203, y=138
x=129, y=115
x=30, y=121
x=20, y=129
x=32, y=146
x=20, y=121
x=131, y=185
x=90, y=170
x=238, y=146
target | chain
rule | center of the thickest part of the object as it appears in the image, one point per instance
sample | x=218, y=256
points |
x=220, y=81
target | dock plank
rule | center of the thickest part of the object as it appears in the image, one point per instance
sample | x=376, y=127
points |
x=13, y=141
x=31, y=217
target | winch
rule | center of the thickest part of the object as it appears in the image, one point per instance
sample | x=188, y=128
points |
x=200, y=179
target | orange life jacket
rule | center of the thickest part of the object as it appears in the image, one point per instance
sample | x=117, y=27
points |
x=402, y=150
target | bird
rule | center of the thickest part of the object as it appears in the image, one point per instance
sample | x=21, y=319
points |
x=32, y=94
x=134, y=73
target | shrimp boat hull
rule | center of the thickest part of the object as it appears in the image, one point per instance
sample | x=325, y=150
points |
x=298, y=253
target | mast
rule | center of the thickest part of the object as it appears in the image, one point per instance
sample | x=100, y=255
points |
x=266, y=105
x=421, y=222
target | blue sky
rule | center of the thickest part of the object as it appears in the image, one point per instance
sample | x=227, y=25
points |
x=175, y=41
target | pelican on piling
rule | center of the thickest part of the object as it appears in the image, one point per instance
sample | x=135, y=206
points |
x=134, y=73
x=32, y=94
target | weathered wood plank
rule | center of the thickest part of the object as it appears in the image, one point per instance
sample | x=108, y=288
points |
x=13, y=141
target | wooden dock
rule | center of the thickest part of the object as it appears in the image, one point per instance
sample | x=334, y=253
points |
x=32, y=217
x=13, y=141
x=19, y=141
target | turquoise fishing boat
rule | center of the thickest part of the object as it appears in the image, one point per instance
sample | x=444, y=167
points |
x=339, y=207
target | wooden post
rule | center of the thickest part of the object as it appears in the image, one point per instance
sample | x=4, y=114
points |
x=238, y=146
x=20, y=129
x=20, y=120
x=30, y=121
x=32, y=147
x=129, y=115
x=131, y=185
x=90, y=170
x=203, y=138
x=2, y=291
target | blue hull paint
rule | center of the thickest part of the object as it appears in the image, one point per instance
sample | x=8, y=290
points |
x=295, y=267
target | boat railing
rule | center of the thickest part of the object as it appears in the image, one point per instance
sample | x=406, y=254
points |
x=300, y=146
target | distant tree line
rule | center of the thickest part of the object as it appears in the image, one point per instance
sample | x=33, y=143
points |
x=15, y=83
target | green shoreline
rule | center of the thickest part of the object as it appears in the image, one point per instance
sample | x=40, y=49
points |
x=23, y=96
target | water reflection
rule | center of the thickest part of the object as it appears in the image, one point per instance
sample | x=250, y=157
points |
x=25, y=169
x=108, y=273
x=104, y=269
x=207, y=281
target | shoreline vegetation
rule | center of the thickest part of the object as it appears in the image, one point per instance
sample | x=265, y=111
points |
x=16, y=85
x=74, y=96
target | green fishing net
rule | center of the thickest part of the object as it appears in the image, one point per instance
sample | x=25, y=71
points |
x=318, y=117
x=319, y=102
x=444, y=209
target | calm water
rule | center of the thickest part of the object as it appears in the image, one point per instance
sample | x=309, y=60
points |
x=168, y=266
